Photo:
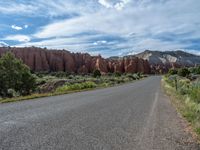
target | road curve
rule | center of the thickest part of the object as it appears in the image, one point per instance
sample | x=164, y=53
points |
x=134, y=116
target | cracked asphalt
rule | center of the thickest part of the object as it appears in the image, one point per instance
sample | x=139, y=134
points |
x=133, y=116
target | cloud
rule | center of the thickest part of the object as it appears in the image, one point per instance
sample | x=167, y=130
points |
x=26, y=26
x=46, y=9
x=16, y=27
x=109, y=4
x=11, y=7
x=105, y=3
x=19, y=38
x=126, y=25
x=120, y=5
x=100, y=42
x=3, y=44
x=65, y=42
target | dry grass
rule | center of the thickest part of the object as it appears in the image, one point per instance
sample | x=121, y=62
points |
x=187, y=108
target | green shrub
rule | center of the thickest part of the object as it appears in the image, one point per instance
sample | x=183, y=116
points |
x=198, y=130
x=195, y=70
x=109, y=74
x=136, y=77
x=15, y=75
x=195, y=94
x=198, y=70
x=96, y=73
x=60, y=74
x=172, y=71
x=12, y=93
x=70, y=77
x=76, y=86
x=183, y=72
x=118, y=74
x=105, y=84
x=140, y=75
x=41, y=74
x=132, y=76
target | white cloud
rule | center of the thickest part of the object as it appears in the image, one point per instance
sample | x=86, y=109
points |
x=44, y=8
x=19, y=38
x=26, y=26
x=3, y=44
x=195, y=52
x=141, y=20
x=100, y=42
x=119, y=5
x=7, y=7
x=105, y=3
x=139, y=24
x=73, y=44
x=16, y=27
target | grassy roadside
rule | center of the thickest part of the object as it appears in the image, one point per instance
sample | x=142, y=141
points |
x=188, y=108
x=61, y=91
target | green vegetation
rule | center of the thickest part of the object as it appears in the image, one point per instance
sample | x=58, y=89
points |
x=76, y=86
x=172, y=71
x=184, y=87
x=20, y=84
x=15, y=77
x=195, y=70
x=117, y=74
x=183, y=72
x=96, y=73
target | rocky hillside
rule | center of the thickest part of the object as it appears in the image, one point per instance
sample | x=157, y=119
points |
x=40, y=60
x=162, y=61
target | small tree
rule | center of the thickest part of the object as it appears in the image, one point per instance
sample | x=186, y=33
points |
x=96, y=73
x=198, y=70
x=172, y=71
x=15, y=75
x=183, y=72
x=117, y=74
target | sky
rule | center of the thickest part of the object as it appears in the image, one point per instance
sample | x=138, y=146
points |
x=106, y=27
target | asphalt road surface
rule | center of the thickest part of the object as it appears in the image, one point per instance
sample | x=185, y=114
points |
x=134, y=116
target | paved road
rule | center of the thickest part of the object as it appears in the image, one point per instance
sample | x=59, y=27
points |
x=135, y=116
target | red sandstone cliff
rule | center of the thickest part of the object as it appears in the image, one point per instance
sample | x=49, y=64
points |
x=60, y=60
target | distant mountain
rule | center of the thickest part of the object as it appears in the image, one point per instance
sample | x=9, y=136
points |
x=163, y=60
x=169, y=57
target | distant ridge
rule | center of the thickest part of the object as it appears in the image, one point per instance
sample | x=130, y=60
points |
x=163, y=60
x=168, y=57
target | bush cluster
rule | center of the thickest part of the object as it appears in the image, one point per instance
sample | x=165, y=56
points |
x=172, y=71
x=15, y=77
x=195, y=70
x=185, y=87
x=96, y=73
x=76, y=86
x=182, y=79
x=183, y=72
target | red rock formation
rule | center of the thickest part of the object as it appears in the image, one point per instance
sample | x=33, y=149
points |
x=60, y=60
